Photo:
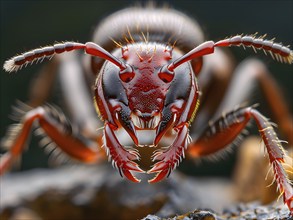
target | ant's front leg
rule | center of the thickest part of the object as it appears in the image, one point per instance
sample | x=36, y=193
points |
x=68, y=71
x=56, y=128
x=225, y=130
x=252, y=76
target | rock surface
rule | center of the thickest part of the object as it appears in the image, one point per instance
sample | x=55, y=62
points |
x=251, y=211
x=98, y=192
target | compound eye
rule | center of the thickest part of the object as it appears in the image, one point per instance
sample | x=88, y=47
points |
x=166, y=75
x=127, y=74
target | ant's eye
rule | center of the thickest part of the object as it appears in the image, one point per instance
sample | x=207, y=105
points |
x=127, y=74
x=126, y=77
x=166, y=75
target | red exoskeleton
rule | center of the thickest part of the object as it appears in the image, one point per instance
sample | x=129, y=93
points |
x=150, y=80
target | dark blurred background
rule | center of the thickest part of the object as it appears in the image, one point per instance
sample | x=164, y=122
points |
x=29, y=24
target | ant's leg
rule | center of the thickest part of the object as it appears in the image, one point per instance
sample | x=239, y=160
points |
x=224, y=131
x=251, y=175
x=39, y=91
x=77, y=96
x=57, y=128
x=213, y=80
x=41, y=86
x=67, y=70
x=250, y=75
